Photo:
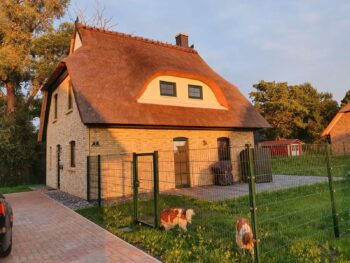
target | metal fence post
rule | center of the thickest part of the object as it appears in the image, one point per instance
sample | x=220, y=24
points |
x=332, y=191
x=135, y=185
x=253, y=208
x=156, y=189
x=88, y=178
x=99, y=179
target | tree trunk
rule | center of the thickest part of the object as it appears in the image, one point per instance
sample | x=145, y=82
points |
x=10, y=97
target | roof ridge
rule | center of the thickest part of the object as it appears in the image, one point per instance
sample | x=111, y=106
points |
x=139, y=38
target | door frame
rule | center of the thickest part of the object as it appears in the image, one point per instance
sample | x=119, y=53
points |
x=188, y=179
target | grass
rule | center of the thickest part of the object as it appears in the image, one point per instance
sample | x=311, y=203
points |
x=314, y=165
x=295, y=225
x=15, y=189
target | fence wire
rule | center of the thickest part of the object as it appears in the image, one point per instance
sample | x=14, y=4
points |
x=294, y=209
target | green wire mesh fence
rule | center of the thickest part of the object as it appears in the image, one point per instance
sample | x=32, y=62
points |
x=297, y=200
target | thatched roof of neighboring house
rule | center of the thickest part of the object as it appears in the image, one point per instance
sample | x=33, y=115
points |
x=110, y=71
x=336, y=119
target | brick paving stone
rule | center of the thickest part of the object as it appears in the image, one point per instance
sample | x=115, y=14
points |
x=46, y=231
x=219, y=193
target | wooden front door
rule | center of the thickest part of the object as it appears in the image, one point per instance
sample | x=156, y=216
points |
x=181, y=160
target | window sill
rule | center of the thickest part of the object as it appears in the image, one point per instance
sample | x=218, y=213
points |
x=169, y=96
x=69, y=111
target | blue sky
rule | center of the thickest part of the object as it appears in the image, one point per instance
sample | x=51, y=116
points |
x=247, y=41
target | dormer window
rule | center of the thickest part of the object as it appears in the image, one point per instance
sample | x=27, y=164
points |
x=195, y=92
x=167, y=88
x=180, y=92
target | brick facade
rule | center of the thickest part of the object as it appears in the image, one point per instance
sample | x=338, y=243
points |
x=110, y=143
x=203, y=152
x=61, y=131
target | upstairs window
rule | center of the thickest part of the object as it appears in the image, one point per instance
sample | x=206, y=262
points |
x=195, y=92
x=167, y=88
x=72, y=154
x=70, y=96
x=55, y=105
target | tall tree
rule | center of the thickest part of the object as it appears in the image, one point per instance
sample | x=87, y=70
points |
x=346, y=99
x=22, y=23
x=294, y=111
x=46, y=51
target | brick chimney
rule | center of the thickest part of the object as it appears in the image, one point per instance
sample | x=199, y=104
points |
x=182, y=40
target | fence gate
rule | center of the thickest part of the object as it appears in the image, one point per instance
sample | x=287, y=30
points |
x=146, y=188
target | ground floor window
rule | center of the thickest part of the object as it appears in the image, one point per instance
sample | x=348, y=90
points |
x=224, y=149
x=72, y=154
x=50, y=158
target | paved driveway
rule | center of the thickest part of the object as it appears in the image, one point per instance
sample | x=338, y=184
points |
x=46, y=231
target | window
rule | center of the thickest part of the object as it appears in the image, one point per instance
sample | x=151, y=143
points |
x=55, y=101
x=195, y=92
x=70, y=96
x=50, y=164
x=295, y=147
x=167, y=88
x=72, y=154
x=224, y=149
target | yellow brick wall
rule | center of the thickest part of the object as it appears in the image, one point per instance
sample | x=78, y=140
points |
x=117, y=169
x=67, y=127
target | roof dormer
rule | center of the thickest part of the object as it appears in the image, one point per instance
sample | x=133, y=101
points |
x=180, y=91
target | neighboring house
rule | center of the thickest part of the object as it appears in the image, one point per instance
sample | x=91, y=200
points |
x=338, y=130
x=116, y=93
x=286, y=147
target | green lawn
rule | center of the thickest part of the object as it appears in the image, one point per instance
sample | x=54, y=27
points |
x=15, y=189
x=295, y=225
x=310, y=165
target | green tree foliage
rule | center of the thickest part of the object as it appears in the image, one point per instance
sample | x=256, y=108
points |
x=47, y=50
x=346, y=99
x=22, y=24
x=30, y=48
x=294, y=111
x=20, y=155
